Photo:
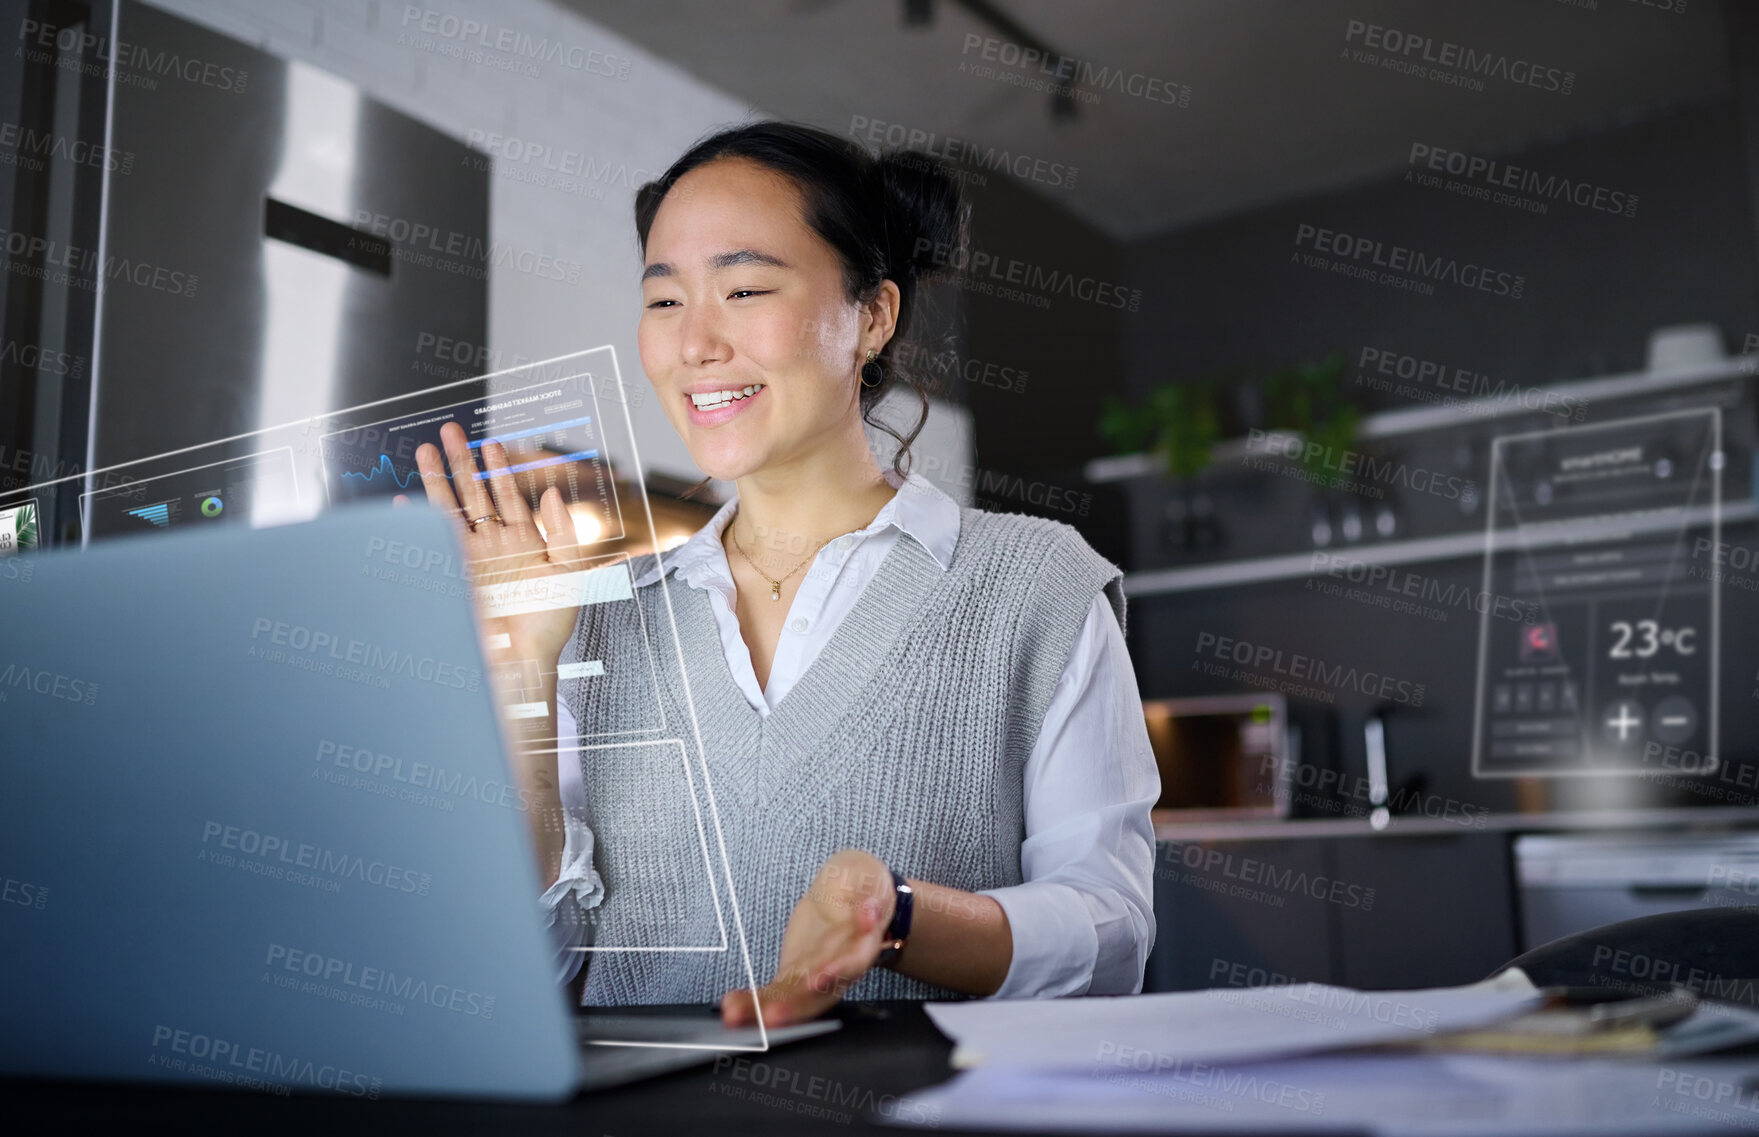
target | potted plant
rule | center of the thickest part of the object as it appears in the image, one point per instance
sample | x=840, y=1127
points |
x=1178, y=422
x=1309, y=400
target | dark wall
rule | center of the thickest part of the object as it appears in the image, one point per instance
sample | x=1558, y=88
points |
x=1228, y=294
x=1069, y=350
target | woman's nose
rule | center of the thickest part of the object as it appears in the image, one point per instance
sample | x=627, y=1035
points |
x=704, y=339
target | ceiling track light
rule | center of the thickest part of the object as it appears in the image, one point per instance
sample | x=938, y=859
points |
x=1064, y=108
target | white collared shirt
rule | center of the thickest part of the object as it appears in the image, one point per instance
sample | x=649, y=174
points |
x=1083, y=918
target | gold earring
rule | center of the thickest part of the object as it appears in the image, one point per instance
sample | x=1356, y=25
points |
x=872, y=375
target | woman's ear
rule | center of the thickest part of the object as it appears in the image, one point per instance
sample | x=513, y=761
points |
x=880, y=316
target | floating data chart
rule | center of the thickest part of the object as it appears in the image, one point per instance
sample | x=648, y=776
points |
x=614, y=648
x=547, y=414
x=551, y=431
x=158, y=514
x=1599, y=639
x=613, y=643
x=259, y=486
x=667, y=840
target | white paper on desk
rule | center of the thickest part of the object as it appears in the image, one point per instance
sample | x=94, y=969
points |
x=1221, y=1025
x=1387, y=1095
x=1712, y=1027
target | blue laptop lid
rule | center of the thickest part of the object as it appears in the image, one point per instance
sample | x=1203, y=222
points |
x=257, y=826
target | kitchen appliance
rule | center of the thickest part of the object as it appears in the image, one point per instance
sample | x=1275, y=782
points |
x=1225, y=756
x=1570, y=883
x=248, y=242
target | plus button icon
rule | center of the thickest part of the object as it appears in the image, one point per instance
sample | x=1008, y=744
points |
x=1626, y=717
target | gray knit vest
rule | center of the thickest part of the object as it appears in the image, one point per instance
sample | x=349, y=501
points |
x=907, y=737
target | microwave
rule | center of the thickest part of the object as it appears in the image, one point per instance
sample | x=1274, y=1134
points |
x=1221, y=756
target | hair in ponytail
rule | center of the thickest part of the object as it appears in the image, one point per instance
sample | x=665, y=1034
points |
x=894, y=217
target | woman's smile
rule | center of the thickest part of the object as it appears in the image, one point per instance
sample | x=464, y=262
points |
x=711, y=406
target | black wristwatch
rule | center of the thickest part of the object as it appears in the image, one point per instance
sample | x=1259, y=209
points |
x=899, y=929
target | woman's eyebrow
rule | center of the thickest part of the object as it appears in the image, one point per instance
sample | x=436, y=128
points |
x=745, y=257
x=720, y=261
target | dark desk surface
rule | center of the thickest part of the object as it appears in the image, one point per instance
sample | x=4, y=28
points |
x=884, y=1051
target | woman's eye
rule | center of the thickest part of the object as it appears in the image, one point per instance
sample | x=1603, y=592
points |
x=661, y=303
x=750, y=292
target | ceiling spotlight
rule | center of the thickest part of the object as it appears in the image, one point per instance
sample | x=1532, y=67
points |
x=1063, y=105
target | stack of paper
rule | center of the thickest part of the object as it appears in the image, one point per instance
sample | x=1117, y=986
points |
x=1429, y=1095
x=1273, y=1059
x=1221, y=1025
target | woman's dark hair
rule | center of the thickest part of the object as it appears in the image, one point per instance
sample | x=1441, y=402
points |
x=894, y=217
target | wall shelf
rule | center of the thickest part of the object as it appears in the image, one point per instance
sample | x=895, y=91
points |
x=1295, y=566
x=1389, y=424
x=1411, y=420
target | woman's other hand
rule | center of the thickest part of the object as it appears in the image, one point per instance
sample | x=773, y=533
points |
x=831, y=941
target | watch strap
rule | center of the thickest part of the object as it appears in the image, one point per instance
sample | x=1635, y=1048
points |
x=898, y=931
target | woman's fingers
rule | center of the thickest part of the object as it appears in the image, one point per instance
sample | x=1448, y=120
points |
x=559, y=532
x=433, y=478
x=783, y=1000
x=468, y=497
x=867, y=914
x=800, y=991
x=781, y=1004
x=471, y=490
x=730, y=1009
x=509, y=501
x=780, y=1008
x=737, y=1008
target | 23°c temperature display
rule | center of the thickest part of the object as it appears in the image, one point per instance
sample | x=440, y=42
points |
x=1644, y=638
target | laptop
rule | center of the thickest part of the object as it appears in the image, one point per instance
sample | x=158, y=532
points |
x=259, y=828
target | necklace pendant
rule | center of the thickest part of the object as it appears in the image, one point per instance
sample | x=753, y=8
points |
x=775, y=590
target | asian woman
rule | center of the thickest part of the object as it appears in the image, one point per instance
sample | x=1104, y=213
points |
x=920, y=720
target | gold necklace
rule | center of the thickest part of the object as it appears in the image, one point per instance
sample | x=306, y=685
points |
x=776, y=584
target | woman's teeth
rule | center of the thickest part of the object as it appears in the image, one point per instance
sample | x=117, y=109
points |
x=709, y=400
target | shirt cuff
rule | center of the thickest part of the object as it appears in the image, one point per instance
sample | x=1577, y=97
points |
x=578, y=888
x=1055, y=944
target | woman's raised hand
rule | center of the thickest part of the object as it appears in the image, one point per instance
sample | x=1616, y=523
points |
x=501, y=538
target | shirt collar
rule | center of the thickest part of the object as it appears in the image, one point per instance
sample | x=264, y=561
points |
x=919, y=510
